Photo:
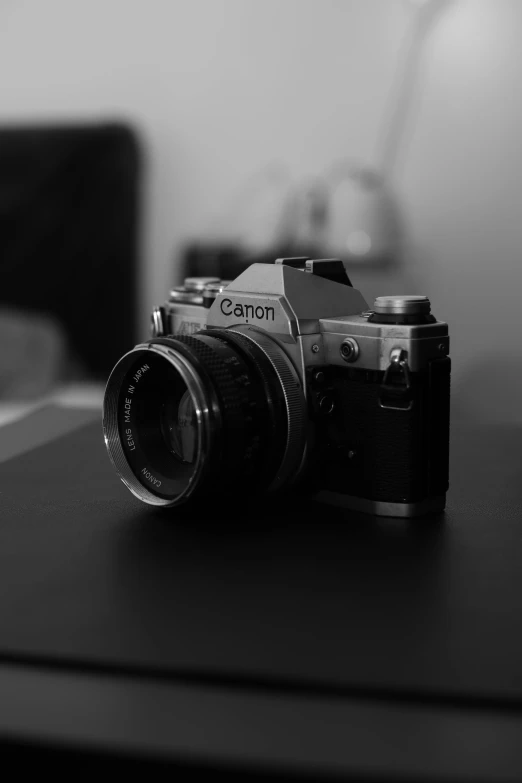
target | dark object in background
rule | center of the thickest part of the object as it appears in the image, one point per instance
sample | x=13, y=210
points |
x=68, y=233
x=201, y=259
x=227, y=261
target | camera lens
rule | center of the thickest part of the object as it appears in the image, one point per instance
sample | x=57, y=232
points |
x=217, y=413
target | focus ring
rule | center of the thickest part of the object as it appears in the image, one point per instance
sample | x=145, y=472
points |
x=229, y=392
x=229, y=375
x=294, y=399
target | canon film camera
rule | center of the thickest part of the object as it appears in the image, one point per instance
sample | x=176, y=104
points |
x=285, y=378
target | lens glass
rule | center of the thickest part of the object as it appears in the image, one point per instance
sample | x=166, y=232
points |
x=158, y=425
x=179, y=424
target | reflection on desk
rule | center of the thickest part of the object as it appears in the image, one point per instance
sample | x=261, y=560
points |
x=26, y=425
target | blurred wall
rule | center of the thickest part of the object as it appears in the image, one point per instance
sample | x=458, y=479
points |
x=219, y=88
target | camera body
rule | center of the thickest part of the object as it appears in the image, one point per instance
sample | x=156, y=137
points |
x=376, y=381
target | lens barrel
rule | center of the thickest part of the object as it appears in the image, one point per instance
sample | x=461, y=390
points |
x=218, y=413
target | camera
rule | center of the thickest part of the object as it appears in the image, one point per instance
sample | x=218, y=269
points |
x=284, y=379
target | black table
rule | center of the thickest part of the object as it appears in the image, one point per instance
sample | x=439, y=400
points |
x=299, y=640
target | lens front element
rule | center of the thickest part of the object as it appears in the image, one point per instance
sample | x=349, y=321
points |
x=156, y=424
x=178, y=423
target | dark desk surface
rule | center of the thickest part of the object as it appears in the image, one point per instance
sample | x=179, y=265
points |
x=299, y=639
